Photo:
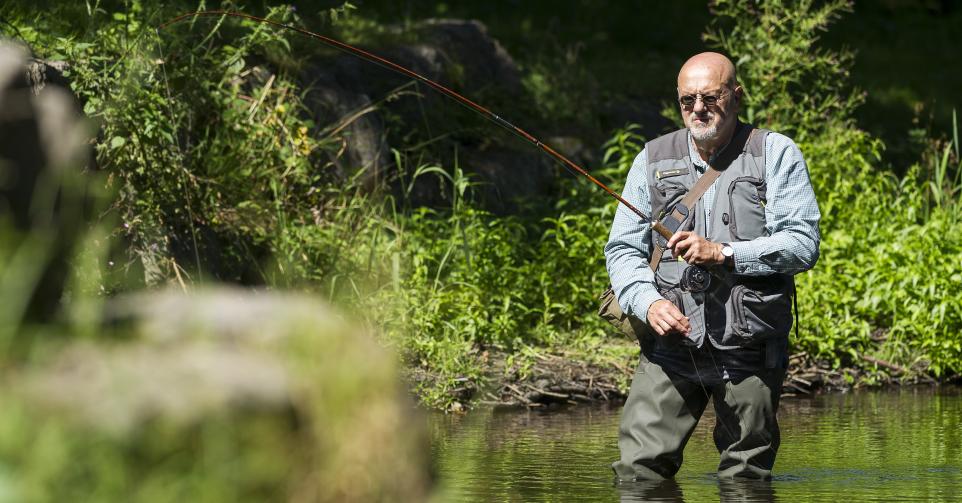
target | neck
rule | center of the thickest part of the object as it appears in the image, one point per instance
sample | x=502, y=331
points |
x=707, y=148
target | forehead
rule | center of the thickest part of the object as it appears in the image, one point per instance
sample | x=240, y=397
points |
x=701, y=79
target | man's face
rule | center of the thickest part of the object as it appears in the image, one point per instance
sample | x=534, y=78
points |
x=707, y=121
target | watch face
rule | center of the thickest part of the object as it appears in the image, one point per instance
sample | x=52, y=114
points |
x=727, y=250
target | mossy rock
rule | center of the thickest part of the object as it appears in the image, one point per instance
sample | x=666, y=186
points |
x=221, y=395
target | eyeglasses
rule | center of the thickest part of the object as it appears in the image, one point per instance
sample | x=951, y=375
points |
x=689, y=100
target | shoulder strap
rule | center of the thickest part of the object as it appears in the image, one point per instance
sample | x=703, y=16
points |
x=682, y=209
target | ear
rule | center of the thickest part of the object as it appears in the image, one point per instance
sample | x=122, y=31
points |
x=737, y=93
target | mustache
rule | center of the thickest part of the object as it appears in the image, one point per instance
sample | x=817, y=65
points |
x=704, y=116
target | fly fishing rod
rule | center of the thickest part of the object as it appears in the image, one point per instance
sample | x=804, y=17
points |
x=390, y=65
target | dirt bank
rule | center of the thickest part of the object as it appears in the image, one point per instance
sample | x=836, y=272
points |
x=553, y=379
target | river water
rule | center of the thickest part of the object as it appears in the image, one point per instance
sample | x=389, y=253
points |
x=901, y=445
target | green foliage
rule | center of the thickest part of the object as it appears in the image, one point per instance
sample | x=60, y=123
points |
x=221, y=175
x=891, y=253
x=561, y=95
x=891, y=262
x=791, y=85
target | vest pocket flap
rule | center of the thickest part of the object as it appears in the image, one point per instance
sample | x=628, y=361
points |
x=671, y=192
x=609, y=308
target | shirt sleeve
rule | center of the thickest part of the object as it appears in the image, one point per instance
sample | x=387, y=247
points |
x=791, y=216
x=626, y=253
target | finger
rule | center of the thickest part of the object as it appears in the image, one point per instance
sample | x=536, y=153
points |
x=656, y=325
x=678, y=320
x=674, y=324
x=684, y=245
x=662, y=322
x=677, y=237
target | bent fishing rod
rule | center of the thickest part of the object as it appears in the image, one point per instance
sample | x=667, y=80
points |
x=390, y=65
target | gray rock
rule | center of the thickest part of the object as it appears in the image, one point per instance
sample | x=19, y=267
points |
x=219, y=395
x=466, y=43
x=641, y=111
x=350, y=95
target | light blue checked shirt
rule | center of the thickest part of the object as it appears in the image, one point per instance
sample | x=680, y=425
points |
x=791, y=217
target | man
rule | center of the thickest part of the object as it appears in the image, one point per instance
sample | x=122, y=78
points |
x=752, y=229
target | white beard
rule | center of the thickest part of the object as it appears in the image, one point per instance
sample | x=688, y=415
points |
x=704, y=133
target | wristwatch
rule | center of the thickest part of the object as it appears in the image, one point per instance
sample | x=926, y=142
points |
x=729, y=253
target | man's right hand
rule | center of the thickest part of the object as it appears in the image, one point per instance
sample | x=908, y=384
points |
x=665, y=318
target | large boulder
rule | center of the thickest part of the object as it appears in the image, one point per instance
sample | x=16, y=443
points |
x=219, y=395
x=41, y=132
x=358, y=98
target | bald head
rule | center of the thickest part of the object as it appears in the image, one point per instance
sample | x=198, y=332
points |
x=709, y=97
x=709, y=68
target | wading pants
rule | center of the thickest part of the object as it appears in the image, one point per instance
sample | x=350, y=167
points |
x=663, y=408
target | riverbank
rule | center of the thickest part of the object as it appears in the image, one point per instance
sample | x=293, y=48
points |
x=548, y=378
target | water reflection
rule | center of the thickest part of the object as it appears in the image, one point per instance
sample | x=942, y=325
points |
x=650, y=490
x=862, y=447
x=746, y=490
x=670, y=490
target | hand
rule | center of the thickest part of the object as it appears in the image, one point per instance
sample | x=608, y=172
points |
x=665, y=318
x=696, y=249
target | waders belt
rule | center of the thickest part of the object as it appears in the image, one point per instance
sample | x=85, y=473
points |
x=681, y=211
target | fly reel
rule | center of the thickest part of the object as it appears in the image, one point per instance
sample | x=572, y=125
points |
x=695, y=279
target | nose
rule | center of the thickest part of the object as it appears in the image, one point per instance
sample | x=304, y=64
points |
x=699, y=106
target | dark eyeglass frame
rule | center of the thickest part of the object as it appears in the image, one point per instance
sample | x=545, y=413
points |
x=689, y=100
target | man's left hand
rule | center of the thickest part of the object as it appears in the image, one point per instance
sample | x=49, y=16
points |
x=696, y=249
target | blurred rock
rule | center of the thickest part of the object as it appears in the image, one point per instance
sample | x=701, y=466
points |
x=43, y=195
x=220, y=395
x=40, y=129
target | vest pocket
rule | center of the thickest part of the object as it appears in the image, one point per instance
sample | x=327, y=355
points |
x=666, y=195
x=746, y=200
x=761, y=311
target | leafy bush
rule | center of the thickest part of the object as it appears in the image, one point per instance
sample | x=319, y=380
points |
x=891, y=255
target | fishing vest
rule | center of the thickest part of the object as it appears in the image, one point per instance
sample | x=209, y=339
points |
x=735, y=311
